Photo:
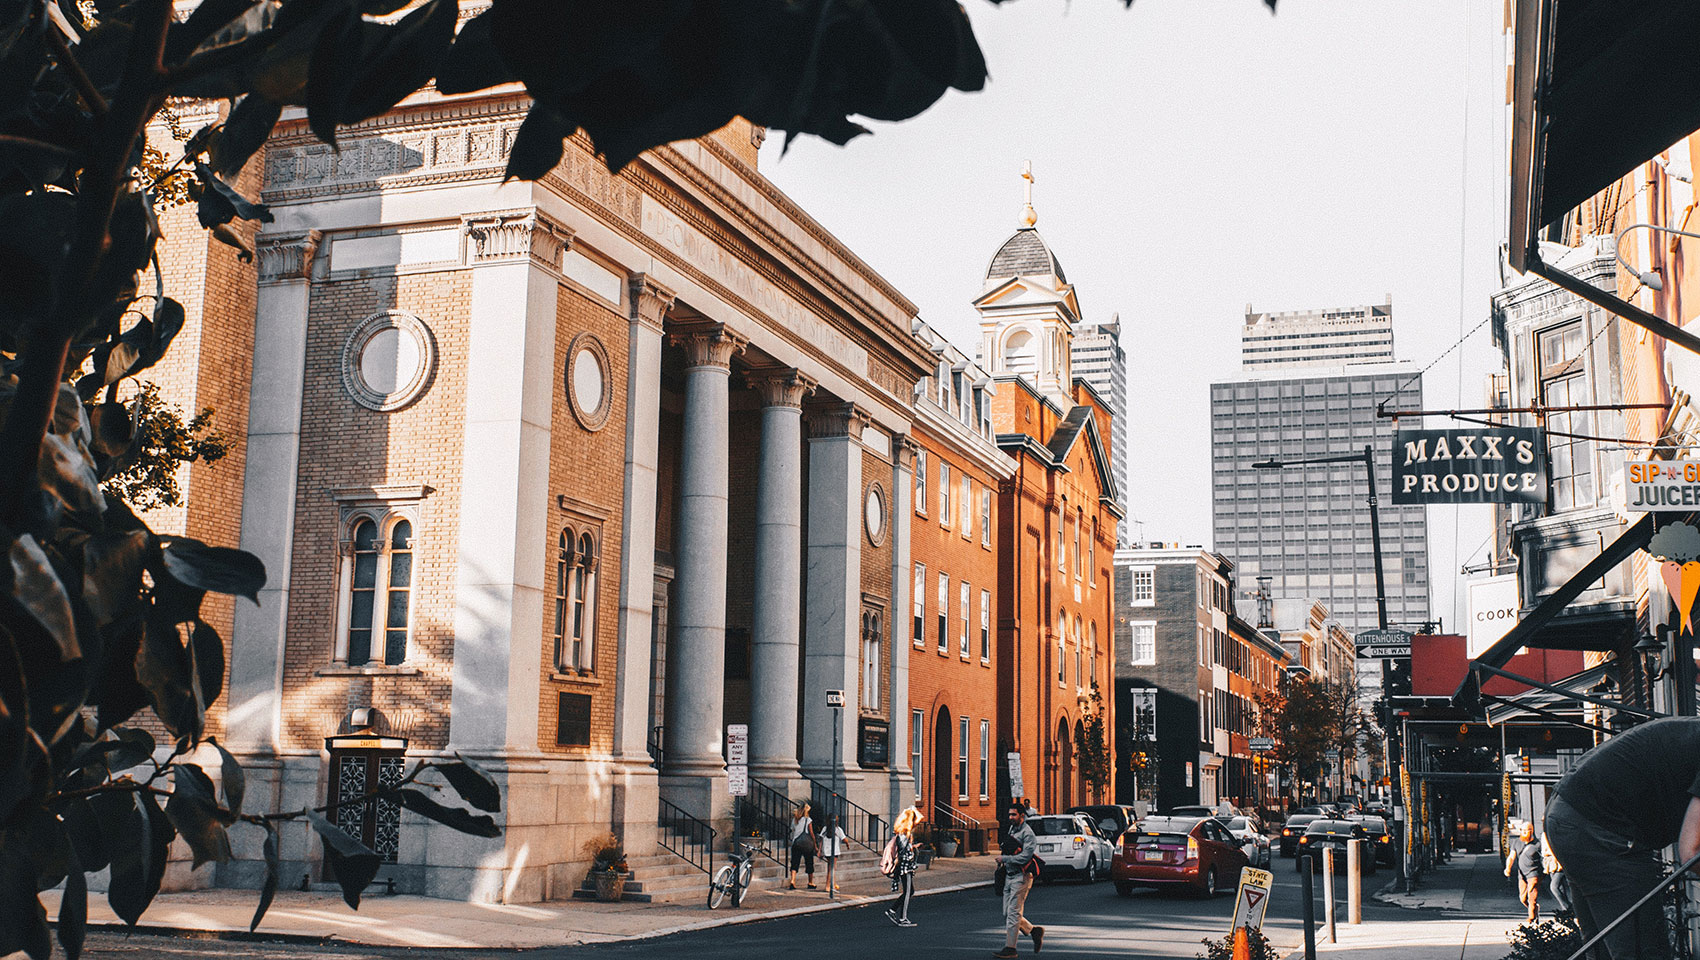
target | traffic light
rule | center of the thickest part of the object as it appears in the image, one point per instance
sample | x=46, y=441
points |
x=1523, y=758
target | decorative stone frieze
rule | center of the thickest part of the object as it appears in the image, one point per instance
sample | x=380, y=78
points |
x=782, y=388
x=711, y=346
x=837, y=420
x=515, y=235
x=650, y=300
x=287, y=256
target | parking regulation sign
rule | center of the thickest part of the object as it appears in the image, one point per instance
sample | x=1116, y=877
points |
x=1252, y=900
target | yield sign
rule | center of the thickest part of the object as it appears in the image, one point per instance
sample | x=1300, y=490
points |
x=1252, y=900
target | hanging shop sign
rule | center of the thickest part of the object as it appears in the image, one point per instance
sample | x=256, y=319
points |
x=1483, y=465
x=1677, y=547
x=1652, y=486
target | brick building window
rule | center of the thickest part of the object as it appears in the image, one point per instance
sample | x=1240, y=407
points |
x=963, y=593
x=1092, y=556
x=985, y=626
x=921, y=482
x=1062, y=651
x=1079, y=664
x=1078, y=558
x=1144, y=587
x=985, y=759
x=1144, y=633
x=986, y=518
x=944, y=612
x=1092, y=652
x=1564, y=383
x=966, y=505
x=377, y=587
x=944, y=494
x=962, y=758
x=871, y=660
x=920, y=601
x=575, y=601
x=917, y=737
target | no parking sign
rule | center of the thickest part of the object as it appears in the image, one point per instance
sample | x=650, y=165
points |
x=1251, y=902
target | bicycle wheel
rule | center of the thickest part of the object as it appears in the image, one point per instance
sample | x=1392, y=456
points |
x=717, y=889
x=746, y=871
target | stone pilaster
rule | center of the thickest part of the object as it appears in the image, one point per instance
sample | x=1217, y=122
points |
x=902, y=519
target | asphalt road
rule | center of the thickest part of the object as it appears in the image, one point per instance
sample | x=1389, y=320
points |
x=1080, y=921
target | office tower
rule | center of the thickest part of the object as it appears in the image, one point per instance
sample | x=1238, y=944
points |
x=1098, y=358
x=1307, y=527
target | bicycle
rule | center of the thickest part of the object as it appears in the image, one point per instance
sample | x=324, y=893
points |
x=733, y=877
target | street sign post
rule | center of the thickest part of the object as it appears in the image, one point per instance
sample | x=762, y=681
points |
x=1261, y=744
x=1382, y=652
x=835, y=698
x=1382, y=638
x=1252, y=900
x=737, y=759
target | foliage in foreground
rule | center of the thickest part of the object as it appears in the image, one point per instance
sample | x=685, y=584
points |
x=1547, y=940
x=1222, y=948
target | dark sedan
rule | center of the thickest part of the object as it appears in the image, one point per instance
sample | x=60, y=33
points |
x=1293, y=829
x=1322, y=837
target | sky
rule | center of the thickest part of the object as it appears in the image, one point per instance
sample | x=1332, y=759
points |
x=1192, y=157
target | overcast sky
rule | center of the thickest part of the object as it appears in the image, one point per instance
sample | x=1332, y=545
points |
x=1191, y=157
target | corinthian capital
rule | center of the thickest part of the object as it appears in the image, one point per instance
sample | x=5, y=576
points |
x=837, y=420
x=287, y=256
x=650, y=300
x=516, y=235
x=710, y=346
x=782, y=388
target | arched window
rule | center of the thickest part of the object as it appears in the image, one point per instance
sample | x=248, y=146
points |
x=871, y=634
x=1079, y=667
x=1021, y=353
x=575, y=602
x=1092, y=651
x=1062, y=650
x=563, y=563
x=377, y=591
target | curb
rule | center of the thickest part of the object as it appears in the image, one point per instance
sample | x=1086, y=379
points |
x=722, y=920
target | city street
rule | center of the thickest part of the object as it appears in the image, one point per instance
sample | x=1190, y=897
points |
x=1080, y=922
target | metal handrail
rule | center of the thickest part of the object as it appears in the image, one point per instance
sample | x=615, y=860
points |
x=654, y=744
x=1663, y=885
x=686, y=837
x=769, y=811
x=945, y=815
x=861, y=826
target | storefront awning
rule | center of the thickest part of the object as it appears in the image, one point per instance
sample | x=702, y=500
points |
x=1549, y=704
x=1598, y=87
x=1527, y=631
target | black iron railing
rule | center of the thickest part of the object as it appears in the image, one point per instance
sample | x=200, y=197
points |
x=861, y=826
x=655, y=746
x=1681, y=872
x=686, y=837
x=947, y=821
x=764, y=820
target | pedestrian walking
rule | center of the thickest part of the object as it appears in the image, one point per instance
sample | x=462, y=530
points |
x=1020, y=863
x=1558, y=883
x=902, y=863
x=1525, y=858
x=832, y=841
x=802, y=845
x=1610, y=818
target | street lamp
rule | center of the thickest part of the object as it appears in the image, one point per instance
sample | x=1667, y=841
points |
x=1367, y=458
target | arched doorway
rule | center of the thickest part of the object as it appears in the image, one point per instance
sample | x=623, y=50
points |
x=943, y=757
x=1065, y=767
x=1080, y=793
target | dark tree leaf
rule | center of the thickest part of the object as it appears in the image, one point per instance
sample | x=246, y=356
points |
x=117, y=693
x=361, y=69
x=268, y=888
x=242, y=133
x=231, y=776
x=538, y=145
x=114, y=815
x=36, y=588
x=112, y=427
x=138, y=865
x=217, y=569
x=209, y=660
x=195, y=814
x=219, y=202
x=473, y=63
x=82, y=829
x=478, y=826
x=32, y=251
x=73, y=910
x=23, y=922
x=36, y=161
x=210, y=17
x=67, y=471
x=354, y=863
x=15, y=740
x=112, y=572
x=166, y=669
x=472, y=783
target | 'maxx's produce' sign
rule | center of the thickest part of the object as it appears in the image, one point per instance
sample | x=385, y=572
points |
x=1484, y=465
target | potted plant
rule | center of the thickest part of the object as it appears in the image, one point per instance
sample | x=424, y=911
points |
x=608, y=867
x=947, y=843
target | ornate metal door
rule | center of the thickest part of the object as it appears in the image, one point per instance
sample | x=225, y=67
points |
x=356, y=771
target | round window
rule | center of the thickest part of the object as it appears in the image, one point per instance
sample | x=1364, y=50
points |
x=873, y=514
x=388, y=361
x=588, y=384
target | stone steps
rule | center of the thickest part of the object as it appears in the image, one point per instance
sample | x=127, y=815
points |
x=666, y=878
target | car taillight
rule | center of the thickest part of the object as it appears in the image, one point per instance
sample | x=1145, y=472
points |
x=1192, y=848
x=1286, y=833
x=1079, y=842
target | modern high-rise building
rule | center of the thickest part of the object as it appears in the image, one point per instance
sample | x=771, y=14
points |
x=1316, y=338
x=1307, y=527
x=1099, y=359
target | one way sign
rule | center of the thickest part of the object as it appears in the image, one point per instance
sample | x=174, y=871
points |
x=1252, y=901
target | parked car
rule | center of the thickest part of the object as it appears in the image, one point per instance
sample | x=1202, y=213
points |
x=1251, y=838
x=1381, y=810
x=1170, y=852
x=1322, y=835
x=1112, y=819
x=1380, y=839
x=1071, y=845
x=1192, y=810
x=1293, y=829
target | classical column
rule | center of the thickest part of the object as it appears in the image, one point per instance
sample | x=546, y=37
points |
x=268, y=485
x=504, y=492
x=696, y=655
x=902, y=621
x=832, y=633
x=649, y=303
x=776, y=621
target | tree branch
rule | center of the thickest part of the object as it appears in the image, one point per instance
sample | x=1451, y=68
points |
x=79, y=77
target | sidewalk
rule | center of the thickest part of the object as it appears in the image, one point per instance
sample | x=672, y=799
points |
x=1468, y=907
x=425, y=922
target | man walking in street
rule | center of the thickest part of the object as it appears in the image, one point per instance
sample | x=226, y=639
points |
x=1525, y=858
x=1018, y=846
x=1607, y=822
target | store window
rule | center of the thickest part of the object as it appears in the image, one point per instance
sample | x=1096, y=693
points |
x=1564, y=383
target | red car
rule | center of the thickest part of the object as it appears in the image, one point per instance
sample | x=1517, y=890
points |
x=1195, y=852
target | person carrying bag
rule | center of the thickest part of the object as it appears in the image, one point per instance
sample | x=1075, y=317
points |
x=802, y=846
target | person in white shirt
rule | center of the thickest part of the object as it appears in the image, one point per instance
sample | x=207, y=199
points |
x=832, y=841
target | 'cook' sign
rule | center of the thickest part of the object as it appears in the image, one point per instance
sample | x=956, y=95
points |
x=1484, y=465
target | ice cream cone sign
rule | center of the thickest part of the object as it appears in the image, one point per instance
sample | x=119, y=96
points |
x=1678, y=546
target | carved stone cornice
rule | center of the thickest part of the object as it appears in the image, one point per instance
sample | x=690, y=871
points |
x=836, y=420
x=783, y=388
x=287, y=256
x=905, y=449
x=517, y=235
x=710, y=346
x=650, y=300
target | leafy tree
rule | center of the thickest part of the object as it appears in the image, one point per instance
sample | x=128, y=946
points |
x=100, y=617
x=1143, y=759
x=144, y=475
x=1091, y=746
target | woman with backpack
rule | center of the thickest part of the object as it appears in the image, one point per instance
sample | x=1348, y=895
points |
x=802, y=845
x=898, y=863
